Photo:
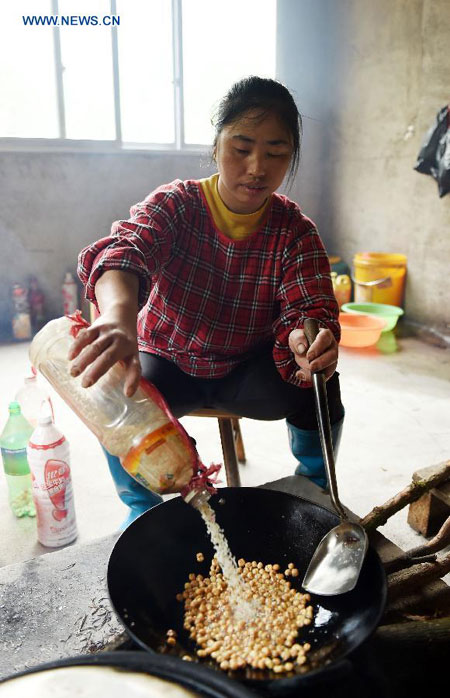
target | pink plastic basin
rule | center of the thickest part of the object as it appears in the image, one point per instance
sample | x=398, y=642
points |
x=360, y=330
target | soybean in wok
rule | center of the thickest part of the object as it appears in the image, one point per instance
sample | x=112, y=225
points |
x=152, y=559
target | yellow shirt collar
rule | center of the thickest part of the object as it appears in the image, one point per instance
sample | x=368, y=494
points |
x=236, y=226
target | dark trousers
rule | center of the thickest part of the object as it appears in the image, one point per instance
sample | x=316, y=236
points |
x=253, y=389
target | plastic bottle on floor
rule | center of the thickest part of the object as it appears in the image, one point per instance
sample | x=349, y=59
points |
x=13, y=443
x=36, y=299
x=21, y=318
x=342, y=287
x=49, y=460
x=69, y=294
x=33, y=399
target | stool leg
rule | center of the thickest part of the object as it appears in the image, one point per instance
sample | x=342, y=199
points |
x=238, y=440
x=229, y=452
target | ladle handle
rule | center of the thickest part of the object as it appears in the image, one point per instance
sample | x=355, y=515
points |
x=311, y=329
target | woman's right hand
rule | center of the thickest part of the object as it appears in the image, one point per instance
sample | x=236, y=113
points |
x=112, y=337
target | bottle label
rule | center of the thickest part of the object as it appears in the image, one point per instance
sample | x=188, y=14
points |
x=15, y=461
x=46, y=447
x=56, y=476
x=53, y=497
x=161, y=461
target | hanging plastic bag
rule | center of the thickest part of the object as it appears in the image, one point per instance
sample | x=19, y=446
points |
x=443, y=162
x=434, y=155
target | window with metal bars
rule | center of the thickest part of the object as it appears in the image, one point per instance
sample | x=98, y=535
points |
x=73, y=78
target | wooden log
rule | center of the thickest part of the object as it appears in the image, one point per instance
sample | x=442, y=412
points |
x=380, y=514
x=401, y=582
x=415, y=632
x=405, y=561
x=423, y=601
x=440, y=541
x=413, y=657
x=422, y=553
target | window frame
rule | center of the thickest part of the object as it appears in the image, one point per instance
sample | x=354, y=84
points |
x=116, y=146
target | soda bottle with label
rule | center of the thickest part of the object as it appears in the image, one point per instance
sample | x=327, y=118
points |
x=13, y=444
x=49, y=460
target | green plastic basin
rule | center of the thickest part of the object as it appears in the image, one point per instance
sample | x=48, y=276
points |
x=390, y=313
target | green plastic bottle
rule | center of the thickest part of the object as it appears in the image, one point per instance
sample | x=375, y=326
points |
x=13, y=444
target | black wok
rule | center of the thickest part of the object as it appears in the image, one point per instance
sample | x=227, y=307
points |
x=152, y=559
x=201, y=680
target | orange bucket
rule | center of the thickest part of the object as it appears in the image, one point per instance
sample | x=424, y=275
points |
x=379, y=278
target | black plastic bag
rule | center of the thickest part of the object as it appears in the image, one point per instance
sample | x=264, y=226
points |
x=434, y=155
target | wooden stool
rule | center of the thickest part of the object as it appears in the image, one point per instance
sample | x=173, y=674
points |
x=232, y=442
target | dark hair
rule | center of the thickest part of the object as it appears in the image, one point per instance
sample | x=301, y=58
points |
x=268, y=95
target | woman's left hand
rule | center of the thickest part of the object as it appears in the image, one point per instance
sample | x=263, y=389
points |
x=322, y=355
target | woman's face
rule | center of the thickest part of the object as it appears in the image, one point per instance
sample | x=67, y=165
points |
x=252, y=156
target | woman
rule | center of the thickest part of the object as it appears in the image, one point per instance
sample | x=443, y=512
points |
x=205, y=289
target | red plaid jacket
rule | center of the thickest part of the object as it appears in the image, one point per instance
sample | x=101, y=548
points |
x=207, y=302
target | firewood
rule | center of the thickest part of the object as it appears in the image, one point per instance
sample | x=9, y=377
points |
x=405, y=561
x=413, y=657
x=423, y=553
x=401, y=582
x=416, y=632
x=380, y=514
x=440, y=541
x=431, y=599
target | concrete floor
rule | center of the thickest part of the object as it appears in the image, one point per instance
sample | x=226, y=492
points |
x=396, y=400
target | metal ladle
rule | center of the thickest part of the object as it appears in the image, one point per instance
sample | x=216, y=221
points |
x=336, y=564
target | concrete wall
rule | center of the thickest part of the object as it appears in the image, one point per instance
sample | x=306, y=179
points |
x=370, y=76
x=52, y=205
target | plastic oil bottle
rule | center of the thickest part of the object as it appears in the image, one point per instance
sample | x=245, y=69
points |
x=13, y=444
x=140, y=430
x=342, y=287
